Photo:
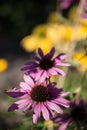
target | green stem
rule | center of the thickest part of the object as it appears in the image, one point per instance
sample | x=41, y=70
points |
x=32, y=127
x=82, y=85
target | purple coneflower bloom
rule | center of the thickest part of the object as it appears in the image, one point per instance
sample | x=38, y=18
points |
x=42, y=97
x=77, y=113
x=43, y=66
x=64, y=4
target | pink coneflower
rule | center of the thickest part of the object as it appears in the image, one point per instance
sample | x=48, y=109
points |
x=64, y=4
x=77, y=113
x=42, y=97
x=43, y=66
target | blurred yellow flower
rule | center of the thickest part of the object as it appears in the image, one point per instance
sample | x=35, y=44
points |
x=3, y=65
x=38, y=39
x=56, y=34
x=32, y=43
x=84, y=22
x=53, y=33
x=59, y=33
x=82, y=33
x=82, y=60
x=67, y=33
x=45, y=44
x=29, y=43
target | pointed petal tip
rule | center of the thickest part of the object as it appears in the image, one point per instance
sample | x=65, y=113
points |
x=40, y=52
x=13, y=107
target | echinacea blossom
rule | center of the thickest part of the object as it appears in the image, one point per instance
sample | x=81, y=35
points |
x=41, y=97
x=44, y=66
x=64, y=4
x=77, y=113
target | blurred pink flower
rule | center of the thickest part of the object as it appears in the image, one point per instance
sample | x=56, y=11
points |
x=77, y=113
x=64, y=4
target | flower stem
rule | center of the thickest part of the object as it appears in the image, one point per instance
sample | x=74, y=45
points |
x=32, y=127
x=82, y=85
x=76, y=25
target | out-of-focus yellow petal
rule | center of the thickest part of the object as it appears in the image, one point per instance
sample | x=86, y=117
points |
x=67, y=33
x=59, y=33
x=45, y=44
x=40, y=30
x=3, y=65
x=53, y=33
x=84, y=22
x=29, y=43
x=82, y=33
x=79, y=57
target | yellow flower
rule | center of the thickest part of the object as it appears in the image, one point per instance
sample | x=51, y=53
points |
x=45, y=44
x=53, y=33
x=59, y=33
x=3, y=65
x=29, y=43
x=81, y=33
x=84, y=22
x=67, y=35
x=82, y=60
x=32, y=43
x=38, y=39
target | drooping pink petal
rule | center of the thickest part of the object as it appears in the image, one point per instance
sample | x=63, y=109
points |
x=63, y=102
x=61, y=56
x=35, y=118
x=52, y=72
x=13, y=107
x=64, y=125
x=29, y=107
x=43, y=76
x=51, y=113
x=59, y=71
x=28, y=80
x=22, y=103
x=15, y=93
x=60, y=63
x=18, y=105
x=36, y=114
x=25, y=86
x=45, y=112
x=65, y=94
x=55, y=107
x=38, y=75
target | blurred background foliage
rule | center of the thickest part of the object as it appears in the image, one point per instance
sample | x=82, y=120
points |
x=18, y=18
x=26, y=25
